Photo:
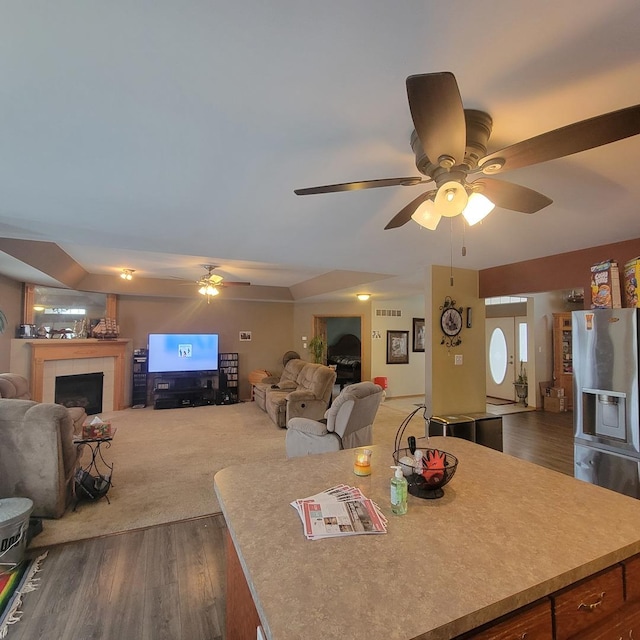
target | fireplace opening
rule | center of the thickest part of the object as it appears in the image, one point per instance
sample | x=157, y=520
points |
x=81, y=390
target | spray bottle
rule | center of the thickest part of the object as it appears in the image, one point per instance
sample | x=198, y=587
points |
x=398, y=492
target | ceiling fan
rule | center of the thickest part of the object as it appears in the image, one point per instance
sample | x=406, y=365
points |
x=450, y=145
x=210, y=283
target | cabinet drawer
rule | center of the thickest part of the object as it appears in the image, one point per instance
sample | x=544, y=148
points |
x=532, y=624
x=587, y=603
x=632, y=578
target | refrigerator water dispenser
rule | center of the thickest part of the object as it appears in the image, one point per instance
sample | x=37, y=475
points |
x=604, y=414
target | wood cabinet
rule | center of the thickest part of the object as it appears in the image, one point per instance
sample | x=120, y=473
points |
x=533, y=623
x=563, y=355
x=585, y=604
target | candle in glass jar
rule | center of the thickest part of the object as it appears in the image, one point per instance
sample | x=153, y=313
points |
x=362, y=462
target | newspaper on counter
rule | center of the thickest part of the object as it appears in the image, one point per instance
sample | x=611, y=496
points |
x=339, y=511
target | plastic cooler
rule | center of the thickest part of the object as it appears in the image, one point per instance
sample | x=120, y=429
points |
x=14, y=523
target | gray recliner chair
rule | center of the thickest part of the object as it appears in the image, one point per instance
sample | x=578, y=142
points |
x=348, y=423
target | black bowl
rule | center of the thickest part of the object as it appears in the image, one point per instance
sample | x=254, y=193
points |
x=427, y=482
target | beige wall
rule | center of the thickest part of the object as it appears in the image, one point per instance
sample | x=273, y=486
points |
x=270, y=323
x=402, y=379
x=457, y=389
x=11, y=306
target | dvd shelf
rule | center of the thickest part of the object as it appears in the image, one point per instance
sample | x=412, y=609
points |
x=228, y=377
x=139, y=387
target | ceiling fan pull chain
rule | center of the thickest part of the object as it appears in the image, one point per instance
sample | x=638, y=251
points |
x=464, y=248
x=451, y=251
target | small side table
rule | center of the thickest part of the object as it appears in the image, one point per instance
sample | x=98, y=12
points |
x=93, y=480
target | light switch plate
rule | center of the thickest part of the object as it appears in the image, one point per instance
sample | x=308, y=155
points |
x=457, y=359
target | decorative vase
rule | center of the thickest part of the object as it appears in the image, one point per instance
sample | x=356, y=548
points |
x=522, y=391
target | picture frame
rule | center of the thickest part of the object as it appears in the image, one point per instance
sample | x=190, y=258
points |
x=245, y=336
x=418, y=335
x=397, y=347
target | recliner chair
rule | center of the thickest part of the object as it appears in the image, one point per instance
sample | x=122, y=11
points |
x=348, y=423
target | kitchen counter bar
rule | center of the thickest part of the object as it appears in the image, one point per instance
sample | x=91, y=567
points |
x=506, y=533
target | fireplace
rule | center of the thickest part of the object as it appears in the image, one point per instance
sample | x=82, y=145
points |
x=80, y=390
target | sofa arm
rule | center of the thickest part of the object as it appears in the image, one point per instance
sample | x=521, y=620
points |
x=270, y=380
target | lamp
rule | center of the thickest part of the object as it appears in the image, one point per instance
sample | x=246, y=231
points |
x=208, y=290
x=426, y=215
x=127, y=274
x=451, y=199
x=478, y=208
x=363, y=297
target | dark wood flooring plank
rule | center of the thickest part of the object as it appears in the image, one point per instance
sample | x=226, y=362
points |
x=198, y=605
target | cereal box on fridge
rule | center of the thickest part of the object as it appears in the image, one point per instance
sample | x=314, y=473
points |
x=605, y=285
x=631, y=275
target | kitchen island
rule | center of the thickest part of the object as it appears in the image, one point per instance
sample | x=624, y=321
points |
x=506, y=533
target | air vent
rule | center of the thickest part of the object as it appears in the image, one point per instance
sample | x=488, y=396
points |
x=396, y=313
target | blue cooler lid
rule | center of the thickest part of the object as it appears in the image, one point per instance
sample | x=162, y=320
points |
x=14, y=508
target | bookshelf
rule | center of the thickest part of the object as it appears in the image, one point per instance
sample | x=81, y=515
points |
x=228, y=377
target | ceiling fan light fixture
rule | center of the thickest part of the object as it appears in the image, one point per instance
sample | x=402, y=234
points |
x=208, y=290
x=127, y=274
x=478, y=207
x=451, y=199
x=426, y=215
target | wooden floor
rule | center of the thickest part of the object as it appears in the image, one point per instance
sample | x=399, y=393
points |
x=167, y=582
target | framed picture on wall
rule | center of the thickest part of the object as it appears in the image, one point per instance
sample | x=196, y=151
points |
x=245, y=336
x=397, y=347
x=418, y=334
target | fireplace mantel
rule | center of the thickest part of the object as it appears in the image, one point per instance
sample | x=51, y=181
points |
x=43, y=351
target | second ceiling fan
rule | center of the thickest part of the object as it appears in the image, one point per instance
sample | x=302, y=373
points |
x=450, y=145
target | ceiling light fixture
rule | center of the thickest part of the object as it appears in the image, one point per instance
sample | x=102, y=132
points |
x=452, y=200
x=127, y=274
x=363, y=297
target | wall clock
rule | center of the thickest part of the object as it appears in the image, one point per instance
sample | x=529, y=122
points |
x=451, y=323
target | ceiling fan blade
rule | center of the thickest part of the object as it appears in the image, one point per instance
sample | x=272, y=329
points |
x=580, y=136
x=512, y=196
x=438, y=116
x=403, y=216
x=226, y=283
x=357, y=186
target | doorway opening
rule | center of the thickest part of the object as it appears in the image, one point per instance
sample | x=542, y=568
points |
x=343, y=337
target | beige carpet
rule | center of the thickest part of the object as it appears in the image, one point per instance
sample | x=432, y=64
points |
x=164, y=463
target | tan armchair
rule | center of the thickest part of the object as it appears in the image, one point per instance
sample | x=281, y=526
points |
x=37, y=454
x=14, y=386
x=348, y=423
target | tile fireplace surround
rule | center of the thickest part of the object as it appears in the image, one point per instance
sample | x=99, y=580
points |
x=40, y=361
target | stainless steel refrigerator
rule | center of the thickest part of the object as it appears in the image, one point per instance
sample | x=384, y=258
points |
x=605, y=384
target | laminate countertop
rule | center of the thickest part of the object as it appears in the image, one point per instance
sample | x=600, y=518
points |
x=506, y=533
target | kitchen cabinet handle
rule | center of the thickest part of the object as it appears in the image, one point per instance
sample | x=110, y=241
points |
x=590, y=607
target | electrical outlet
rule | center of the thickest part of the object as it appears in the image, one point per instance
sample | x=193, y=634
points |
x=457, y=359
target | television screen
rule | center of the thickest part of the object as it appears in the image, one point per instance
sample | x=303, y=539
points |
x=183, y=352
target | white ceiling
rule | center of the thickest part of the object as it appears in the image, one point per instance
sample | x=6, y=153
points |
x=163, y=135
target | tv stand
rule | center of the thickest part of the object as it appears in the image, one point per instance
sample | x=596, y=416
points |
x=174, y=392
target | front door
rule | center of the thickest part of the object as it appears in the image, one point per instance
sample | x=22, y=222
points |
x=500, y=349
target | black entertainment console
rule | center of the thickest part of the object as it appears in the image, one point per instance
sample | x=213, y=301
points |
x=176, y=390
x=173, y=392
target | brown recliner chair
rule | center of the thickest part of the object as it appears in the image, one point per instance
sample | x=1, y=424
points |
x=37, y=454
x=14, y=386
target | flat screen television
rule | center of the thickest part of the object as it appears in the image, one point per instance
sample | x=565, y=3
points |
x=182, y=352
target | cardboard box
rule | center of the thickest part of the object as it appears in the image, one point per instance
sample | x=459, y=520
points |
x=556, y=405
x=547, y=390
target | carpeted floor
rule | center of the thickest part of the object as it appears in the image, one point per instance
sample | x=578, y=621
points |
x=164, y=463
